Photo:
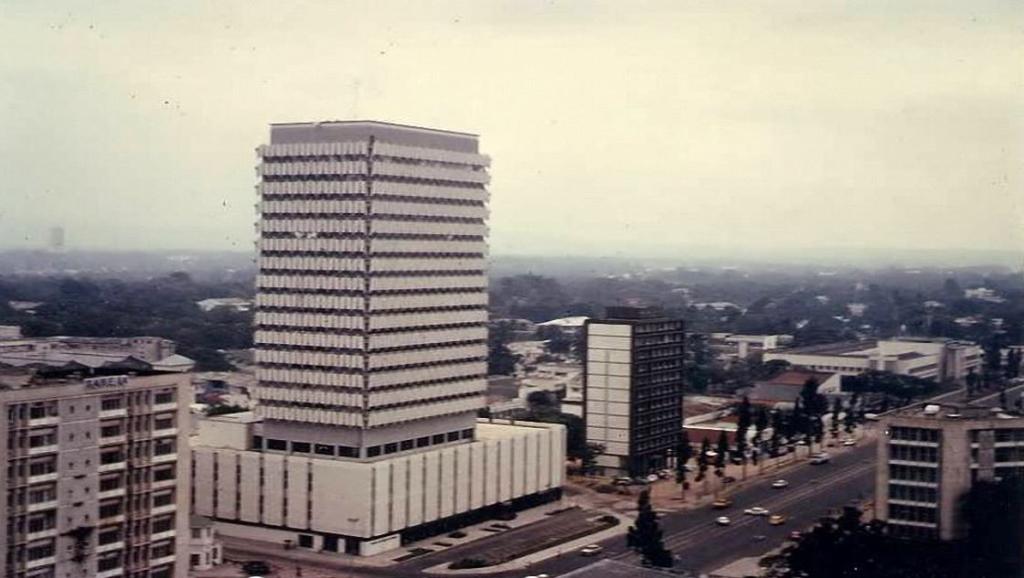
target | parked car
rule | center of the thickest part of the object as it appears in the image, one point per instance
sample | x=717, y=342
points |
x=652, y=478
x=756, y=511
x=623, y=481
x=641, y=481
x=777, y=520
x=665, y=474
x=849, y=442
x=728, y=480
x=721, y=503
x=723, y=520
x=779, y=484
x=591, y=550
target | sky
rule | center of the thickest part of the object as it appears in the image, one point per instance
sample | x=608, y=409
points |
x=615, y=128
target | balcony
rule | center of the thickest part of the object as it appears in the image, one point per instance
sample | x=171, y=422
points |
x=119, y=545
x=48, y=420
x=158, y=485
x=162, y=535
x=43, y=478
x=169, y=406
x=114, y=440
x=50, y=449
x=153, y=563
x=115, y=493
x=41, y=506
x=48, y=561
x=112, y=573
x=114, y=467
x=165, y=458
x=168, y=509
x=49, y=533
x=119, y=412
x=170, y=431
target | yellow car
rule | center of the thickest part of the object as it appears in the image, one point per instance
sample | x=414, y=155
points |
x=721, y=503
x=777, y=520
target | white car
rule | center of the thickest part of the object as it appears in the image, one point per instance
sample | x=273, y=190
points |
x=723, y=521
x=779, y=484
x=849, y=443
x=591, y=550
x=756, y=511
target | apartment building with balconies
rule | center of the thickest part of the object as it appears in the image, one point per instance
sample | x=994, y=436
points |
x=94, y=487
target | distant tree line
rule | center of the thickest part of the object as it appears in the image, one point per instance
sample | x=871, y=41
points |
x=160, y=307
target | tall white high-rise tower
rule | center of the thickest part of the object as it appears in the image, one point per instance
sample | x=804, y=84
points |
x=372, y=294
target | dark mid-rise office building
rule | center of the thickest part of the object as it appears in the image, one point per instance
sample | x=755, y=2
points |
x=633, y=388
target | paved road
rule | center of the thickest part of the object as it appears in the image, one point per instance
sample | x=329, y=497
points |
x=701, y=545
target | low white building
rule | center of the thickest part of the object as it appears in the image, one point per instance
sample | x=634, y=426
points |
x=204, y=550
x=936, y=359
x=365, y=507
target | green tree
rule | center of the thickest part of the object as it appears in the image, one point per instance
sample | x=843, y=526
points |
x=723, y=454
x=837, y=410
x=645, y=535
x=995, y=518
x=588, y=461
x=500, y=359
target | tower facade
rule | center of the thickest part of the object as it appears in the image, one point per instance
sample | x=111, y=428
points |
x=371, y=305
x=633, y=388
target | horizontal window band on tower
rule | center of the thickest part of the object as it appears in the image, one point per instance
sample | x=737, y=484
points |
x=416, y=395
x=404, y=360
x=326, y=342
x=330, y=415
x=424, y=410
x=317, y=189
x=353, y=379
x=425, y=251
x=380, y=292
x=350, y=206
x=340, y=397
x=412, y=347
x=393, y=377
x=376, y=332
x=479, y=235
x=406, y=302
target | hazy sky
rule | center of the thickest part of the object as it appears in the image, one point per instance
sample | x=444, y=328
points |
x=614, y=127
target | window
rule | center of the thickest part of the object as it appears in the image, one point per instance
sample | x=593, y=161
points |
x=373, y=451
x=110, y=509
x=166, y=524
x=48, y=438
x=423, y=442
x=111, y=483
x=109, y=431
x=300, y=447
x=40, y=494
x=453, y=436
x=257, y=442
x=110, y=562
x=161, y=549
x=163, y=397
x=109, y=535
x=164, y=499
x=407, y=445
x=348, y=452
x=438, y=439
x=41, y=522
x=39, y=550
x=111, y=457
x=163, y=421
x=193, y=559
x=42, y=467
x=390, y=448
x=164, y=447
x=467, y=434
x=163, y=474
x=109, y=403
x=277, y=445
x=323, y=449
x=305, y=541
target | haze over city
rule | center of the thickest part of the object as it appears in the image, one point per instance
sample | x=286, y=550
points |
x=654, y=128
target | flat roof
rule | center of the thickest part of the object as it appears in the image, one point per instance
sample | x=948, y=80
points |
x=373, y=123
x=841, y=348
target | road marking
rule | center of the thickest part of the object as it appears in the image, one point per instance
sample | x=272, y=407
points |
x=683, y=537
x=773, y=504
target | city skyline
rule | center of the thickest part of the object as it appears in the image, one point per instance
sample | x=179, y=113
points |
x=756, y=128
